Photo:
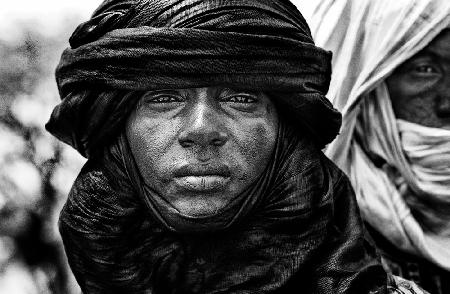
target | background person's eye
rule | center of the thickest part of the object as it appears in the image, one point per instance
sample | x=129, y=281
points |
x=426, y=69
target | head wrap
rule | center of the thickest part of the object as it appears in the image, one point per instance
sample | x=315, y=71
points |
x=428, y=152
x=369, y=39
x=130, y=46
x=296, y=227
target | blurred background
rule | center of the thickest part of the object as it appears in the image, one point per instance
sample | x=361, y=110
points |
x=36, y=171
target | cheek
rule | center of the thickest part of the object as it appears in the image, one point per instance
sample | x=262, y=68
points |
x=256, y=141
x=405, y=89
x=412, y=88
x=414, y=103
x=149, y=140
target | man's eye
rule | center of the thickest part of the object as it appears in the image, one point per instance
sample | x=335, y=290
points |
x=425, y=69
x=164, y=99
x=240, y=99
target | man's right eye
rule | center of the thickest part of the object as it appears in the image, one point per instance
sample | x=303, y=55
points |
x=163, y=98
x=162, y=101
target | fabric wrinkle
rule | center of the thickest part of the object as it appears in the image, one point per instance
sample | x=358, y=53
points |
x=265, y=250
x=297, y=227
x=124, y=48
x=381, y=35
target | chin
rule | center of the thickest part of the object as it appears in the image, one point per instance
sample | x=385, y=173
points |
x=200, y=205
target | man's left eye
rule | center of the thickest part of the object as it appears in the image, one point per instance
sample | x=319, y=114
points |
x=240, y=99
x=162, y=98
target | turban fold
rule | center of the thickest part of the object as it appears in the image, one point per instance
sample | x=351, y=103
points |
x=296, y=227
x=369, y=149
x=134, y=46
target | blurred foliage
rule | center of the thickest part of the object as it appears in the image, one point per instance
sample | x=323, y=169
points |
x=36, y=171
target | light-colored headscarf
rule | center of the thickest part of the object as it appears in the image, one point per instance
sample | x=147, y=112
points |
x=369, y=39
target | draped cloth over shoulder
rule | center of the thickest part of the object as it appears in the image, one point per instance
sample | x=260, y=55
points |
x=369, y=39
x=302, y=233
x=142, y=45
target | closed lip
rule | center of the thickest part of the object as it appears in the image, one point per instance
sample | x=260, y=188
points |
x=200, y=178
x=201, y=170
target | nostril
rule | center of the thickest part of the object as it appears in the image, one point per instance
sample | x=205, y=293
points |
x=202, y=137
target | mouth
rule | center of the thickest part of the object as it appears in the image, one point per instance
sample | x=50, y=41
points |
x=202, y=178
x=202, y=183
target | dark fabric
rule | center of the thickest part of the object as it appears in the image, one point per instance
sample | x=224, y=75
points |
x=142, y=45
x=302, y=233
x=427, y=275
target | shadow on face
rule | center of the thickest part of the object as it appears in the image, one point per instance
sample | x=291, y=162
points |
x=200, y=148
x=420, y=87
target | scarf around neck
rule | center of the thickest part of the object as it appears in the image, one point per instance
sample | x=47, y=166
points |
x=369, y=40
x=297, y=227
x=396, y=197
x=427, y=150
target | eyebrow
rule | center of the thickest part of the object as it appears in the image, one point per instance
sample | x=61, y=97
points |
x=234, y=91
x=434, y=54
x=161, y=91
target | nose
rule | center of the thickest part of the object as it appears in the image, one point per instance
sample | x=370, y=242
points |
x=203, y=128
x=443, y=109
x=443, y=101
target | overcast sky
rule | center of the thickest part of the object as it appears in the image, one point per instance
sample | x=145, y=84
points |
x=45, y=10
x=46, y=16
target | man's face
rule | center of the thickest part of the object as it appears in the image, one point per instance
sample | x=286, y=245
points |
x=199, y=148
x=420, y=87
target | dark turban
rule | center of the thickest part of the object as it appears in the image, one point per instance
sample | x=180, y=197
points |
x=132, y=46
x=295, y=229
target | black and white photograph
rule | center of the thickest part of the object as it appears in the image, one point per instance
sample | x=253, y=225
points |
x=225, y=147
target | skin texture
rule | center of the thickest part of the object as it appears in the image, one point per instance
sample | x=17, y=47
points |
x=199, y=148
x=420, y=87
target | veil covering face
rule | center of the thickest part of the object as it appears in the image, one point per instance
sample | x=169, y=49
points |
x=369, y=39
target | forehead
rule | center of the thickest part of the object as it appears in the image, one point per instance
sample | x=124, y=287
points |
x=440, y=46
